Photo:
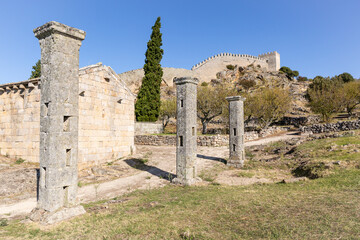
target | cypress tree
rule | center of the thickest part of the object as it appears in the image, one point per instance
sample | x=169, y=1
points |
x=147, y=106
x=36, y=72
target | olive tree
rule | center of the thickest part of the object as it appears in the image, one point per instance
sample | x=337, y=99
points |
x=211, y=102
x=267, y=106
x=167, y=110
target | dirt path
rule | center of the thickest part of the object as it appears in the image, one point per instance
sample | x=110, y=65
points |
x=156, y=172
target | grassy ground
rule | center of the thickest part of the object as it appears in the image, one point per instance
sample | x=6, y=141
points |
x=325, y=208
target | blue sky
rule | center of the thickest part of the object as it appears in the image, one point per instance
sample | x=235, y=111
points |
x=315, y=37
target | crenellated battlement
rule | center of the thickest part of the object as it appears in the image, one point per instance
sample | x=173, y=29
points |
x=227, y=55
x=267, y=54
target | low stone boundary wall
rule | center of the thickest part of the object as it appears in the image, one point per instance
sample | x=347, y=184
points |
x=202, y=140
x=148, y=128
x=332, y=127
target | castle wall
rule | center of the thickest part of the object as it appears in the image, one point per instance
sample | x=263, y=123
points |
x=106, y=118
x=207, y=69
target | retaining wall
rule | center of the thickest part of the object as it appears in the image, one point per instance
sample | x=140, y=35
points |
x=202, y=140
x=332, y=127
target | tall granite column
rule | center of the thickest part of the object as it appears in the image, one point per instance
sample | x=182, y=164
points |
x=59, y=115
x=236, y=136
x=186, y=90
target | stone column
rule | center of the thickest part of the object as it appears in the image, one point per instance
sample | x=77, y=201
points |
x=186, y=90
x=236, y=136
x=59, y=115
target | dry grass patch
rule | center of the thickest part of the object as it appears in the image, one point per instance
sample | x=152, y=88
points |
x=280, y=211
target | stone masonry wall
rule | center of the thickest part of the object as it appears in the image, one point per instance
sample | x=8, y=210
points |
x=148, y=128
x=106, y=117
x=20, y=120
x=332, y=127
x=207, y=69
x=202, y=140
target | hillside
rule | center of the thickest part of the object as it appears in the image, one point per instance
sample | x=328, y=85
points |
x=254, y=78
x=245, y=79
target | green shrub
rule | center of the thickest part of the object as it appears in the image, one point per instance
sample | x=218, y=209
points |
x=3, y=222
x=289, y=73
x=204, y=84
x=311, y=170
x=302, y=79
x=19, y=161
x=230, y=67
x=247, y=84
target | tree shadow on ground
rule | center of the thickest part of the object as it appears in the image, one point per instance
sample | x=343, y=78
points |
x=141, y=165
x=212, y=158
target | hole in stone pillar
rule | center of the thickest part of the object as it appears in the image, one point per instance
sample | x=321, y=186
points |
x=181, y=141
x=46, y=109
x=234, y=147
x=181, y=103
x=66, y=123
x=68, y=157
x=82, y=94
x=66, y=195
x=193, y=131
x=234, y=131
x=43, y=176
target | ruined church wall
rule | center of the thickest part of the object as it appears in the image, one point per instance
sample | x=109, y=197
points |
x=106, y=118
x=20, y=121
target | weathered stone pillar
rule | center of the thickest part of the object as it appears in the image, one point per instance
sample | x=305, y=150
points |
x=186, y=90
x=236, y=136
x=59, y=115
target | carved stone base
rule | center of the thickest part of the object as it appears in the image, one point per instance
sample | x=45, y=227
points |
x=47, y=218
x=186, y=182
x=235, y=163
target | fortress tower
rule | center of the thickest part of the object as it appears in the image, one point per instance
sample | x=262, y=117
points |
x=273, y=60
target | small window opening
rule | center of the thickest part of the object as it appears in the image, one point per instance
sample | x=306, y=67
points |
x=43, y=176
x=193, y=131
x=66, y=195
x=46, y=110
x=234, y=131
x=66, y=123
x=68, y=157
x=181, y=141
x=182, y=103
x=234, y=147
